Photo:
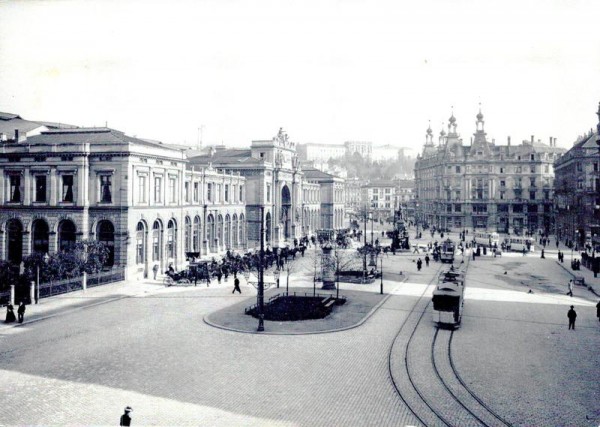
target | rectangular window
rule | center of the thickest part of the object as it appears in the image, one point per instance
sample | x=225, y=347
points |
x=209, y=192
x=268, y=193
x=532, y=182
x=40, y=188
x=532, y=195
x=105, y=189
x=196, y=192
x=457, y=169
x=546, y=194
x=518, y=169
x=172, y=190
x=15, y=188
x=241, y=193
x=233, y=193
x=226, y=192
x=457, y=208
x=501, y=170
x=67, y=188
x=218, y=193
x=532, y=169
x=186, y=188
x=157, y=189
x=387, y=191
x=502, y=195
x=142, y=189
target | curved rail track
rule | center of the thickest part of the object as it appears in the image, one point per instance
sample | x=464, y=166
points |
x=425, y=377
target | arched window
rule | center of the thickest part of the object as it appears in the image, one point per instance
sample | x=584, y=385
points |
x=187, y=238
x=14, y=241
x=242, y=233
x=140, y=243
x=40, y=236
x=227, y=232
x=197, y=233
x=171, y=238
x=234, y=232
x=210, y=232
x=66, y=235
x=105, y=232
x=220, y=229
x=156, y=240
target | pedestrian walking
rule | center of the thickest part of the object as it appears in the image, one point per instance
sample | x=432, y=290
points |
x=543, y=254
x=126, y=417
x=572, y=315
x=598, y=310
x=419, y=264
x=426, y=260
x=155, y=270
x=219, y=275
x=236, y=286
x=21, y=311
x=570, y=293
x=10, y=313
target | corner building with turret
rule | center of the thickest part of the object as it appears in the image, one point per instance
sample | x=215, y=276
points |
x=484, y=185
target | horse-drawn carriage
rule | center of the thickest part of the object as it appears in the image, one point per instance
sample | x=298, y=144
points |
x=176, y=278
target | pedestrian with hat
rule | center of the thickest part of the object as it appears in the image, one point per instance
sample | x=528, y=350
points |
x=126, y=417
x=572, y=315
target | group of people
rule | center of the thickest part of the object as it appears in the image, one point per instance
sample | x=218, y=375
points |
x=10, y=313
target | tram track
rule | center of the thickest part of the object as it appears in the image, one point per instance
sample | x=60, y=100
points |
x=424, y=375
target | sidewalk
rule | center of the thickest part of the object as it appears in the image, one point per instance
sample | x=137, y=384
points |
x=593, y=284
x=60, y=304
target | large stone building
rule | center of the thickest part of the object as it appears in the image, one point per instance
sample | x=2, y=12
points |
x=295, y=202
x=505, y=188
x=577, y=191
x=379, y=197
x=142, y=199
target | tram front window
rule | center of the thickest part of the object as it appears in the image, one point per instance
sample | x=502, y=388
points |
x=445, y=303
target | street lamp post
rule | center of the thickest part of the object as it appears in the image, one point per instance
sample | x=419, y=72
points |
x=381, y=276
x=261, y=273
x=45, y=258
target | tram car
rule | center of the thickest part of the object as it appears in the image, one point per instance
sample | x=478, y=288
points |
x=448, y=299
x=447, y=249
x=518, y=243
x=486, y=238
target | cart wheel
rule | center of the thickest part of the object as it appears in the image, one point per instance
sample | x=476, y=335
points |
x=185, y=281
x=167, y=281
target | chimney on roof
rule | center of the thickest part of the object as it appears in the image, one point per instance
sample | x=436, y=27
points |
x=16, y=135
x=508, y=140
x=532, y=136
x=554, y=142
x=550, y=141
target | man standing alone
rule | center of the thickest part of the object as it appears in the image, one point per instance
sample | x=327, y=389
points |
x=236, y=285
x=572, y=315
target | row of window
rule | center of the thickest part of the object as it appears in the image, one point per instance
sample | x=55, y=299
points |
x=40, y=194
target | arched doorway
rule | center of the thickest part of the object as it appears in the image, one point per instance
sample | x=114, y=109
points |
x=227, y=232
x=66, y=235
x=242, y=232
x=172, y=240
x=234, y=231
x=286, y=211
x=105, y=232
x=140, y=247
x=219, y=236
x=197, y=233
x=210, y=232
x=157, y=243
x=187, y=238
x=14, y=241
x=268, y=225
x=40, y=237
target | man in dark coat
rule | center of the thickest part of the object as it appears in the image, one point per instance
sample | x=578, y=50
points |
x=572, y=315
x=126, y=417
x=419, y=264
x=598, y=310
x=236, y=285
x=21, y=311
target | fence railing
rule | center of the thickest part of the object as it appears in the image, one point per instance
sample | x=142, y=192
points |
x=58, y=287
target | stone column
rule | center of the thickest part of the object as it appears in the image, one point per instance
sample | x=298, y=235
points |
x=328, y=267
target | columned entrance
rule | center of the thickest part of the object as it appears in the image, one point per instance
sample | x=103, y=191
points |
x=286, y=211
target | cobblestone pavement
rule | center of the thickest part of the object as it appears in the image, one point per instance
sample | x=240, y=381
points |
x=151, y=350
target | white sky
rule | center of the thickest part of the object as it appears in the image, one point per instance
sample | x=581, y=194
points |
x=326, y=71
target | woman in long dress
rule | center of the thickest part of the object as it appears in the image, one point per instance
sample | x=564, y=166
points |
x=10, y=314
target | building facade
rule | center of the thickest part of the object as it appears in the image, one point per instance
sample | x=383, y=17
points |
x=503, y=188
x=141, y=199
x=577, y=192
